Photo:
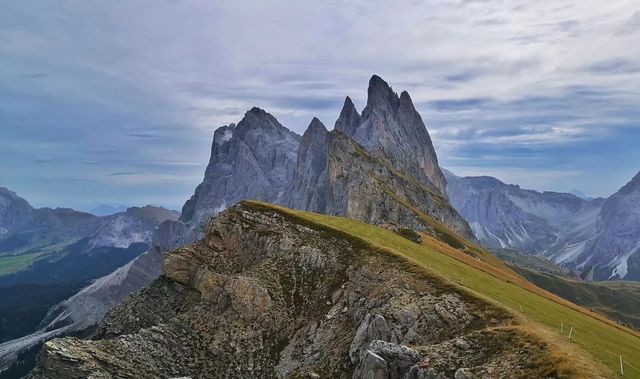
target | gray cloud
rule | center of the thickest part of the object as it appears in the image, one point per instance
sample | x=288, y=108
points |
x=117, y=87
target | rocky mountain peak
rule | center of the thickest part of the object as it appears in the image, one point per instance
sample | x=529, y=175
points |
x=391, y=128
x=349, y=118
x=254, y=159
x=309, y=180
x=381, y=96
x=7, y=197
x=257, y=118
x=316, y=126
x=313, y=137
x=405, y=102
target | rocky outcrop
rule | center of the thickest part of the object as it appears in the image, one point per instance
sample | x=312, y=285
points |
x=265, y=294
x=378, y=168
x=590, y=235
x=309, y=186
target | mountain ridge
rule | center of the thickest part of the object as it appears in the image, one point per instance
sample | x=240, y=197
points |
x=576, y=232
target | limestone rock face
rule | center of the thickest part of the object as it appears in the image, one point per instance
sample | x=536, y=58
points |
x=253, y=160
x=356, y=184
x=309, y=185
x=392, y=129
x=266, y=295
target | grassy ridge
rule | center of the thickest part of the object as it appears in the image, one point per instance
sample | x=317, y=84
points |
x=602, y=339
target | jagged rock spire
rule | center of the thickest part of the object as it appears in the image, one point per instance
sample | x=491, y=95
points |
x=381, y=95
x=349, y=118
x=391, y=128
x=308, y=189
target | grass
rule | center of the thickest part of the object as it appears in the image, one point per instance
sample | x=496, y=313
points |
x=617, y=300
x=11, y=264
x=596, y=342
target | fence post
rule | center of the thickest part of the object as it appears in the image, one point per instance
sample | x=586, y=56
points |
x=621, y=367
x=570, y=331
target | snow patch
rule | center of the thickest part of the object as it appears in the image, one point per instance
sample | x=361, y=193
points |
x=622, y=264
x=219, y=139
x=570, y=253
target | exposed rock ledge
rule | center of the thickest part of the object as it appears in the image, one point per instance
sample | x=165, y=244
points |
x=267, y=295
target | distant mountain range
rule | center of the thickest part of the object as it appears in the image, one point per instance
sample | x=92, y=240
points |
x=48, y=255
x=600, y=237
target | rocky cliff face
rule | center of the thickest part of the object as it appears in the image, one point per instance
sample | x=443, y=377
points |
x=392, y=129
x=572, y=231
x=309, y=186
x=253, y=160
x=266, y=295
x=342, y=178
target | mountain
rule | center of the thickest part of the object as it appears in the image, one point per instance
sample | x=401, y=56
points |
x=26, y=229
x=367, y=289
x=107, y=210
x=322, y=171
x=337, y=176
x=251, y=160
x=265, y=294
x=616, y=242
x=378, y=168
x=273, y=292
x=585, y=234
x=58, y=273
x=391, y=128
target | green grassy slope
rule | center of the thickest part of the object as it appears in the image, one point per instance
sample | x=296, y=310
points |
x=595, y=341
x=617, y=300
x=16, y=263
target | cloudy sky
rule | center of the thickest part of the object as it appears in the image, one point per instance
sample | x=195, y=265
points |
x=116, y=101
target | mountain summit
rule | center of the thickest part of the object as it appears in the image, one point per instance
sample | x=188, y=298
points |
x=392, y=129
x=251, y=160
